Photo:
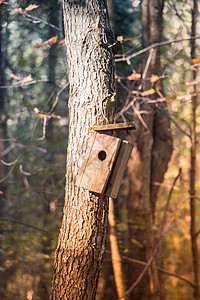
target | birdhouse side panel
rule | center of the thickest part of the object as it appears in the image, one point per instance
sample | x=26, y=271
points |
x=119, y=168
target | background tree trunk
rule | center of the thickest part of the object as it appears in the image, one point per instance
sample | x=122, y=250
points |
x=115, y=254
x=193, y=230
x=149, y=160
x=3, y=117
x=82, y=237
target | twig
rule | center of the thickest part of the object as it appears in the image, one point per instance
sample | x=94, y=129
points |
x=22, y=223
x=147, y=64
x=7, y=150
x=10, y=164
x=155, y=46
x=57, y=96
x=22, y=84
x=41, y=21
x=183, y=131
x=44, y=129
x=158, y=243
x=143, y=263
x=10, y=172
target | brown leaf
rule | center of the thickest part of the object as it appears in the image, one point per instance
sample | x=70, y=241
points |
x=50, y=41
x=42, y=115
x=134, y=76
x=146, y=132
x=171, y=97
x=120, y=38
x=148, y=92
x=21, y=79
x=154, y=78
x=31, y=7
x=61, y=42
x=27, y=78
x=16, y=77
x=196, y=60
x=19, y=10
x=135, y=92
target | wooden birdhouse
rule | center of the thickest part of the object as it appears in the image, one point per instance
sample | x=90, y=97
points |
x=105, y=161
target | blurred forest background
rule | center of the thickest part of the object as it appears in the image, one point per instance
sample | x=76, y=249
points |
x=33, y=141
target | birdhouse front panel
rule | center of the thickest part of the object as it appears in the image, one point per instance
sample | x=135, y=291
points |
x=98, y=162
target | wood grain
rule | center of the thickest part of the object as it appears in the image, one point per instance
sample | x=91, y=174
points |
x=94, y=173
x=119, y=168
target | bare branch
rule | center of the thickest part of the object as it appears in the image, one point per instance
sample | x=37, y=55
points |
x=22, y=84
x=22, y=223
x=57, y=96
x=155, y=46
x=38, y=20
x=163, y=227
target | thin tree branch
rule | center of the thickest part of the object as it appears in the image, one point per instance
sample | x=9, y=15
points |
x=155, y=46
x=143, y=263
x=22, y=223
x=57, y=96
x=22, y=84
x=41, y=21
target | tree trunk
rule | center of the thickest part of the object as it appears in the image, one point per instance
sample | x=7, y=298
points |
x=195, y=251
x=115, y=254
x=81, y=243
x=3, y=47
x=149, y=160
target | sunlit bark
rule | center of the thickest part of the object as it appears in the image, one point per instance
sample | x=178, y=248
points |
x=82, y=237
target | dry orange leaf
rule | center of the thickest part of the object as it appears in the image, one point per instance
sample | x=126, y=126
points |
x=135, y=92
x=42, y=115
x=28, y=8
x=27, y=78
x=154, y=78
x=120, y=38
x=134, y=76
x=31, y=7
x=50, y=41
x=146, y=132
x=62, y=43
x=148, y=92
x=16, y=77
x=196, y=60
x=171, y=97
x=19, y=10
x=21, y=79
x=193, y=82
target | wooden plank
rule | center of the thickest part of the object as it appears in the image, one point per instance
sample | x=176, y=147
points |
x=98, y=163
x=119, y=168
x=117, y=126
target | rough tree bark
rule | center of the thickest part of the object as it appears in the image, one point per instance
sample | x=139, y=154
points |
x=149, y=160
x=82, y=236
x=193, y=230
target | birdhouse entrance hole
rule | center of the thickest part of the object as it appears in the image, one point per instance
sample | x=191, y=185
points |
x=102, y=155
